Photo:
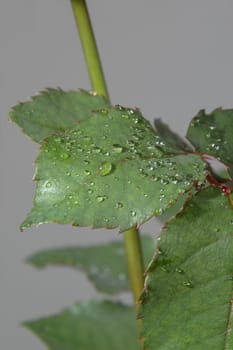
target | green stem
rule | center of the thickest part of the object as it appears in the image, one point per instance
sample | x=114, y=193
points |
x=90, y=50
x=131, y=237
x=135, y=262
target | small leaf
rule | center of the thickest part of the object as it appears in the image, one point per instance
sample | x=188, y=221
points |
x=113, y=171
x=105, y=265
x=212, y=134
x=188, y=299
x=54, y=110
x=89, y=326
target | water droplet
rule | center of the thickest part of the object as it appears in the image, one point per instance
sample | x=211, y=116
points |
x=104, y=111
x=131, y=143
x=90, y=191
x=133, y=213
x=164, y=181
x=105, y=168
x=76, y=202
x=188, y=284
x=48, y=184
x=117, y=148
x=179, y=270
x=143, y=174
x=119, y=107
x=92, y=93
x=64, y=156
x=119, y=205
x=131, y=111
x=87, y=172
x=100, y=199
x=86, y=161
x=158, y=212
x=155, y=178
x=68, y=173
x=125, y=116
x=96, y=150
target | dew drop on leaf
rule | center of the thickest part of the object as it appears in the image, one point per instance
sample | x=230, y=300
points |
x=188, y=284
x=100, y=198
x=104, y=111
x=105, y=168
x=48, y=184
x=119, y=205
x=96, y=150
x=158, y=212
x=117, y=148
x=64, y=156
x=179, y=270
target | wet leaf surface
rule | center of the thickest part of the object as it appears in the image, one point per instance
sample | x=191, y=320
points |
x=188, y=301
x=114, y=170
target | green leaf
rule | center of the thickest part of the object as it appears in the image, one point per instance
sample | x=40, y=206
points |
x=54, y=110
x=212, y=134
x=105, y=265
x=113, y=171
x=188, y=299
x=89, y=326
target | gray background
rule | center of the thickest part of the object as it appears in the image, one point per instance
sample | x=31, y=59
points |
x=170, y=58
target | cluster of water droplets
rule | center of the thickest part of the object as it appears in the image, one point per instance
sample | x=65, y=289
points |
x=215, y=142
